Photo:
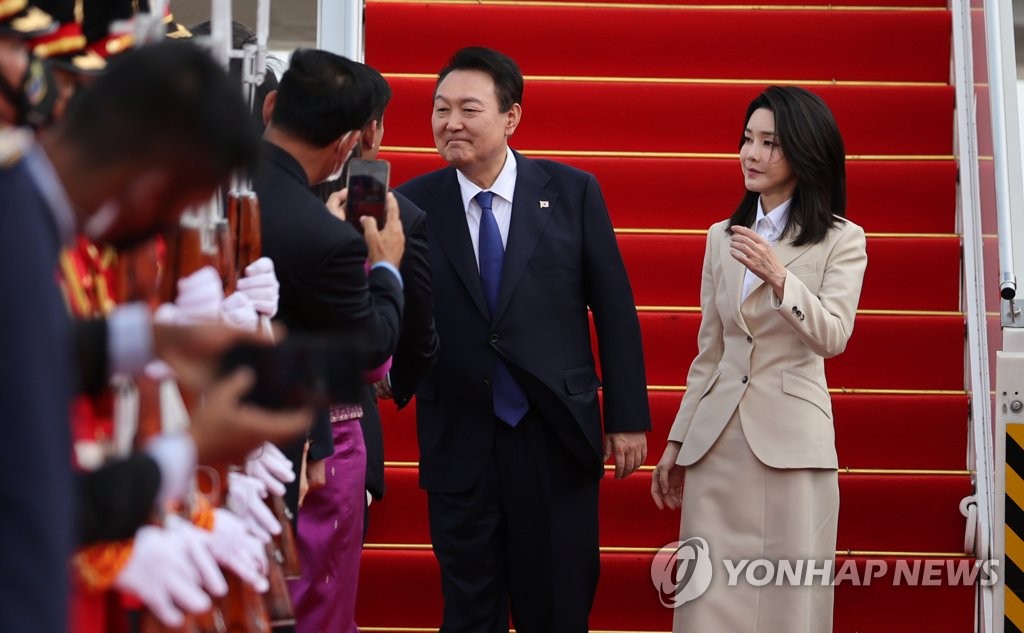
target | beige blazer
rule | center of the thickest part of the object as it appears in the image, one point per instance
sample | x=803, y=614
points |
x=766, y=356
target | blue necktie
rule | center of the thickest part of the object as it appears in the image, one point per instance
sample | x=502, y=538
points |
x=509, y=400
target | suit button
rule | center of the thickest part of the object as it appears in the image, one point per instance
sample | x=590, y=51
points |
x=744, y=380
x=494, y=338
x=750, y=339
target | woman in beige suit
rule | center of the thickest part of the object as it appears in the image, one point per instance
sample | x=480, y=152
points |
x=754, y=433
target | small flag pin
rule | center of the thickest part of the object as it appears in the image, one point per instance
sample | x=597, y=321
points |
x=543, y=204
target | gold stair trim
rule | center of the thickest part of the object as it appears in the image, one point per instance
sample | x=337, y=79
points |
x=406, y=629
x=845, y=470
x=651, y=550
x=850, y=391
x=633, y=154
x=700, y=80
x=696, y=232
x=905, y=471
x=676, y=7
x=864, y=312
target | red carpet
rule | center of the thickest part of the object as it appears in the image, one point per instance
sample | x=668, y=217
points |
x=665, y=270
x=917, y=516
x=592, y=116
x=632, y=42
x=886, y=195
x=409, y=595
x=663, y=147
x=860, y=420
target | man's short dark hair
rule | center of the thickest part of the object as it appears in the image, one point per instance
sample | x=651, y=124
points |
x=163, y=101
x=321, y=97
x=508, y=80
x=381, y=92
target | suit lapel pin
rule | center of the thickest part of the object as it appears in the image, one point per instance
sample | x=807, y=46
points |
x=543, y=204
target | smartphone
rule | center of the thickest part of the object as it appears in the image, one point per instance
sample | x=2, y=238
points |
x=367, y=191
x=302, y=370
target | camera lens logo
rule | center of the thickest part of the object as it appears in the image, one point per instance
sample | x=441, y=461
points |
x=681, y=571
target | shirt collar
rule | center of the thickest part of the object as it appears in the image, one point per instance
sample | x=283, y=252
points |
x=776, y=218
x=504, y=185
x=52, y=190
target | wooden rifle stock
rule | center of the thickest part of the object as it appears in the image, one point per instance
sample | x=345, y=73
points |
x=244, y=218
x=138, y=274
x=225, y=260
x=285, y=541
x=248, y=611
x=185, y=255
x=250, y=242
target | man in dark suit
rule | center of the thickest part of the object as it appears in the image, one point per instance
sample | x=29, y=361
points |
x=320, y=261
x=417, y=343
x=509, y=423
x=332, y=281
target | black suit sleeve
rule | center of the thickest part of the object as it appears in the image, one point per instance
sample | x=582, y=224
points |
x=90, y=338
x=114, y=501
x=418, y=343
x=366, y=307
x=610, y=298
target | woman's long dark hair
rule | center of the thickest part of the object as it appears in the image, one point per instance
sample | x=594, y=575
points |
x=809, y=137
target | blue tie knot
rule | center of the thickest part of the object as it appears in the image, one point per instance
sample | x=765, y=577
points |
x=484, y=199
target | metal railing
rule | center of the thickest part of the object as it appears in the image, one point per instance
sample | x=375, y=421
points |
x=983, y=201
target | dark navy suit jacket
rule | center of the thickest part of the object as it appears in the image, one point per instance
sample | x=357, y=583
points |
x=320, y=263
x=36, y=369
x=561, y=259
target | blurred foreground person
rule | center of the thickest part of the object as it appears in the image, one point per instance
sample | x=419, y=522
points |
x=158, y=132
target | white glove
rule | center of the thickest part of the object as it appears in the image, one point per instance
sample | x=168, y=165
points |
x=245, y=498
x=270, y=466
x=261, y=286
x=198, y=551
x=238, y=550
x=199, y=297
x=238, y=312
x=161, y=575
x=166, y=314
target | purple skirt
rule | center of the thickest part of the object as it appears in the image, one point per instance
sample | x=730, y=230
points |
x=330, y=538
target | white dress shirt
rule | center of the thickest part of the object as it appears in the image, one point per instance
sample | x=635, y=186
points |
x=501, y=206
x=769, y=226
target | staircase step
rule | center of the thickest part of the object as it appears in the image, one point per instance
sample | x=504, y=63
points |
x=885, y=352
x=883, y=196
x=570, y=116
x=665, y=271
x=878, y=513
x=627, y=601
x=821, y=5
x=860, y=45
x=921, y=432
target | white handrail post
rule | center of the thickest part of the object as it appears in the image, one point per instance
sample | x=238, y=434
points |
x=339, y=28
x=981, y=458
x=1006, y=157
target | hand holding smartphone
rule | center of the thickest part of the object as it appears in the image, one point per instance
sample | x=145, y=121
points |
x=367, y=191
